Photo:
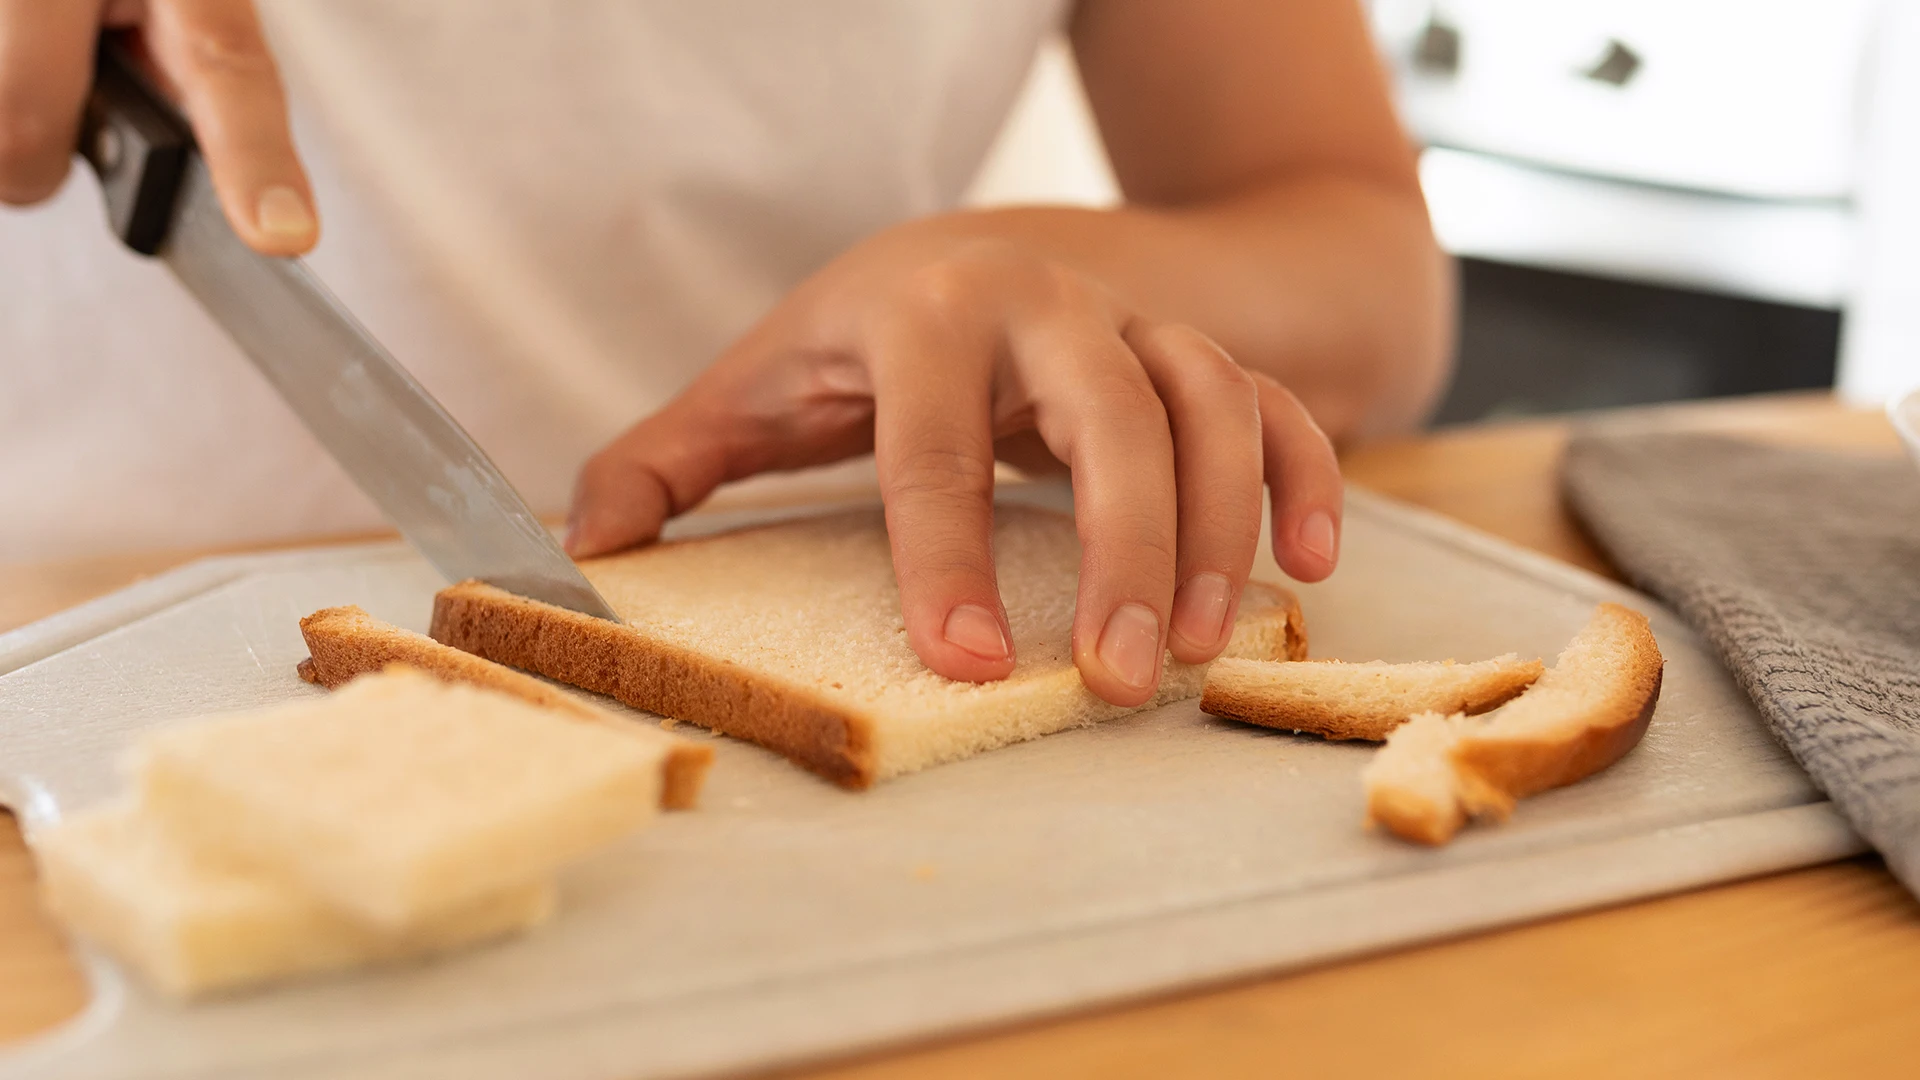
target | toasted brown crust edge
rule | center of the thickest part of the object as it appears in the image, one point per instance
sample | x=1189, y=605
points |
x=1226, y=697
x=1501, y=770
x=1508, y=771
x=629, y=666
x=1249, y=706
x=346, y=642
x=1494, y=774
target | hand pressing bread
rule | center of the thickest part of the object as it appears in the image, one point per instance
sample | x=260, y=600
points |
x=790, y=635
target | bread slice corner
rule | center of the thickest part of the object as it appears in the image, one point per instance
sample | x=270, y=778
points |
x=346, y=643
x=1584, y=714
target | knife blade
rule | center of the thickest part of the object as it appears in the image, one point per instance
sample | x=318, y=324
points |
x=426, y=474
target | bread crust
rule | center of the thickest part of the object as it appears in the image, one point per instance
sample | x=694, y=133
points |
x=1236, y=697
x=346, y=642
x=628, y=664
x=1412, y=818
x=1493, y=769
x=1511, y=768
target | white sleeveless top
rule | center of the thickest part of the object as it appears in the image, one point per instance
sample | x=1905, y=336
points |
x=554, y=214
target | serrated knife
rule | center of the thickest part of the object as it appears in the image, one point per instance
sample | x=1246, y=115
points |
x=430, y=479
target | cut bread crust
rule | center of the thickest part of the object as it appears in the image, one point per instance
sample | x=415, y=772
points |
x=1338, y=700
x=625, y=664
x=828, y=731
x=346, y=643
x=1583, y=715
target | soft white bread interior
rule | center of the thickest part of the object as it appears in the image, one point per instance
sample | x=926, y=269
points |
x=790, y=635
x=193, y=926
x=1584, y=714
x=1358, y=701
x=398, y=798
x=346, y=642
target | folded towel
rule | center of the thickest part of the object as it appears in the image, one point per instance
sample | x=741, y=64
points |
x=1803, y=570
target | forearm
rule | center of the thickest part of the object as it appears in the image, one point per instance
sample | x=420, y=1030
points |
x=1333, y=286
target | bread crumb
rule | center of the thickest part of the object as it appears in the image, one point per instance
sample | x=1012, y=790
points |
x=668, y=723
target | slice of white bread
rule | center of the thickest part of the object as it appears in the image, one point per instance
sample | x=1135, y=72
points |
x=1358, y=701
x=1583, y=715
x=398, y=798
x=192, y=926
x=790, y=635
x=347, y=642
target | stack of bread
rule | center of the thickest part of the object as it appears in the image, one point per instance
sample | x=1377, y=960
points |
x=400, y=817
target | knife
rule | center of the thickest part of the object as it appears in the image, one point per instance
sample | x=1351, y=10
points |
x=428, y=477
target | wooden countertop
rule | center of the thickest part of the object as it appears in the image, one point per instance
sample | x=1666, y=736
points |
x=1814, y=972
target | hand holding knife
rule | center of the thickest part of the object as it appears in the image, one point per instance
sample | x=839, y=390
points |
x=399, y=445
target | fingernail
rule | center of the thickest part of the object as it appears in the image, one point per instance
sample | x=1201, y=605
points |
x=1130, y=644
x=1316, y=535
x=976, y=630
x=283, y=213
x=1200, y=609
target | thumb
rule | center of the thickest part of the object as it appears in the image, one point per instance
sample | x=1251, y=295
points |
x=662, y=466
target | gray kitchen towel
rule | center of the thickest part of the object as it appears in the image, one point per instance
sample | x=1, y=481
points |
x=1803, y=570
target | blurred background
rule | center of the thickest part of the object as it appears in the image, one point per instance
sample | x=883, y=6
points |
x=1651, y=200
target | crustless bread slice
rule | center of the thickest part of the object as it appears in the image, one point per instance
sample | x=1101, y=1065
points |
x=347, y=642
x=398, y=798
x=193, y=926
x=1584, y=714
x=790, y=635
x=1358, y=701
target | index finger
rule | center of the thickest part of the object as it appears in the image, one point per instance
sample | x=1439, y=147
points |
x=933, y=444
x=216, y=56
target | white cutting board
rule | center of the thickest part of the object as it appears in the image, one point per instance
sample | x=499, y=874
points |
x=788, y=919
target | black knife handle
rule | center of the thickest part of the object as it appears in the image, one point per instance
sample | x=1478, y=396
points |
x=138, y=145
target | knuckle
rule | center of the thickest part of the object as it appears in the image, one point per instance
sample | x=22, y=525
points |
x=1200, y=361
x=1225, y=523
x=932, y=559
x=948, y=288
x=1057, y=286
x=948, y=474
x=1125, y=394
x=986, y=271
x=1217, y=378
x=230, y=46
x=1145, y=540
